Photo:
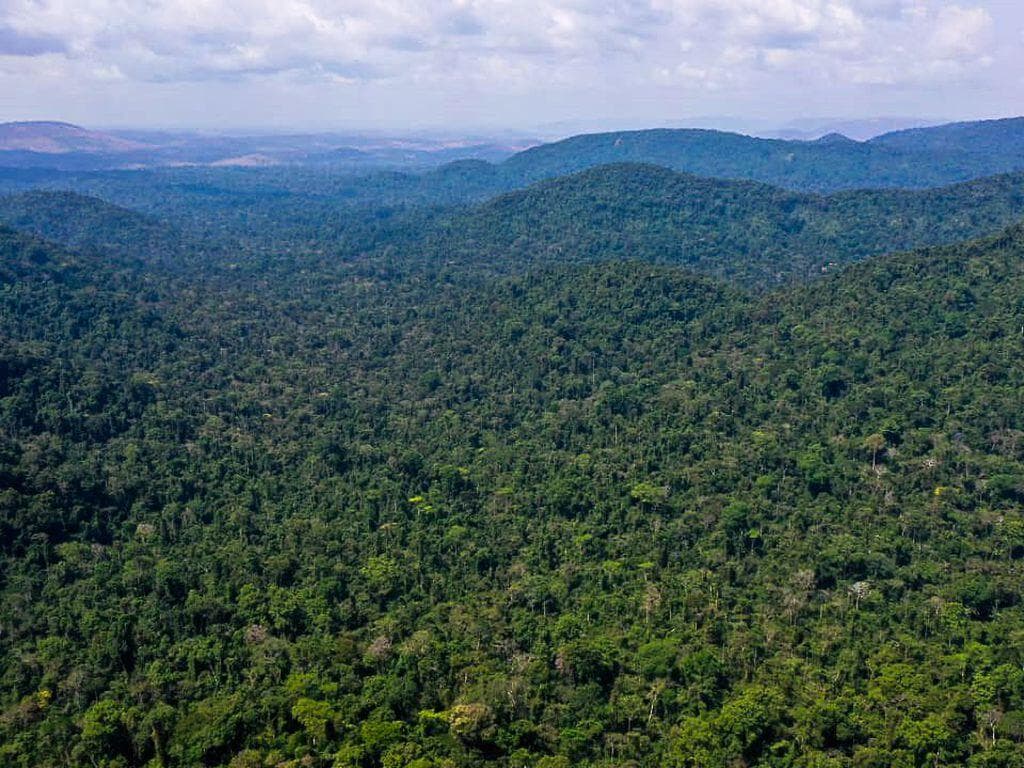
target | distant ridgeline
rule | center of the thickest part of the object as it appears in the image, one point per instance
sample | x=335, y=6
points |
x=913, y=158
x=921, y=157
x=629, y=467
x=757, y=235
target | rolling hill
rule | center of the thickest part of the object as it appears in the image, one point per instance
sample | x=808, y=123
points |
x=631, y=467
x=915, y=158
x=85, y=223
x=756, y=234
x=54, y=138
x=747, y=231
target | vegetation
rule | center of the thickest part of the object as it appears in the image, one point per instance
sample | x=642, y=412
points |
x=90, y=224
x=626, y=468
x=922, y=157
x=347, y=502
x=747, y=232
x=919, y=158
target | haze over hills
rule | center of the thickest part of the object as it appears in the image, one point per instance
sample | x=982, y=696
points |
x=357, y=203
x=68, y=147
x=757, y=234
x=918, y=157
x=809, y=129
x=753, y=233
x=54, y=138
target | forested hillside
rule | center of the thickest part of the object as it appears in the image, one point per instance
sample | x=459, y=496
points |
x=919, y=158
x=753, y=233
x=279, y=507
x=90, y=224
x=1003, y=138
x=750, y=233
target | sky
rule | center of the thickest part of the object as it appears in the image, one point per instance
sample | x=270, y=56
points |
x=503, y=64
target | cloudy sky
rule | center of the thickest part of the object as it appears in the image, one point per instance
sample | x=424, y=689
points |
x=335, y=64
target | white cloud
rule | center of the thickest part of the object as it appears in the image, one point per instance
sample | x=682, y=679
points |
x=194, y=38
x=960, y=32
x=515, y=45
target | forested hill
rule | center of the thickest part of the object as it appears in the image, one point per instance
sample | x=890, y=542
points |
x=31, y=261
x=594, y=515
x=920, y=158
x=87, y=223
x=1003, y=138
x=927, y=157
x=66, y=323
x=751, y=232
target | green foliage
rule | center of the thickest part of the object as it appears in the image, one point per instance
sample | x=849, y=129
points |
x=300, y=510
x=747, y=232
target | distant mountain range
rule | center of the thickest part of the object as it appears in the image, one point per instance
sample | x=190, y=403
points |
x=54, y=138
x=919, y=157
x=62, y=146
x=914, y=157
x=861, y=130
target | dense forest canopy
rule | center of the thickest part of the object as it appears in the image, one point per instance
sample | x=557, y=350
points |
x=751, y=233
x=560, y=478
